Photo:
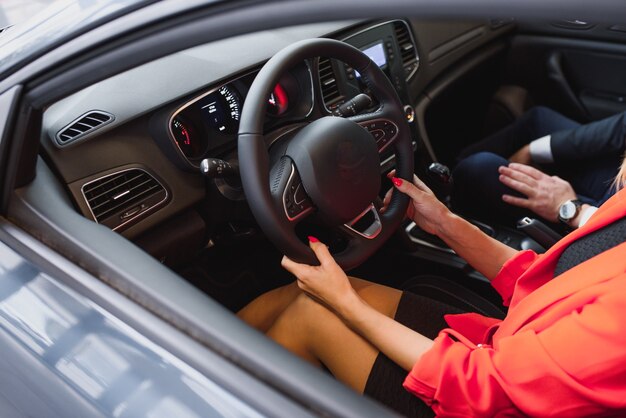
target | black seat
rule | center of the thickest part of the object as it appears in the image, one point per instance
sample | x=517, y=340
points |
x=451, y=293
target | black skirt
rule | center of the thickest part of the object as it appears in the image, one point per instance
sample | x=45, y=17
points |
x=384, y=383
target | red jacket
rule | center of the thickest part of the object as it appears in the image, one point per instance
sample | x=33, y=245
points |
x=561, y=350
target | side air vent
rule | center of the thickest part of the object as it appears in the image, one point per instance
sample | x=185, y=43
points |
x=408, y=50
x=119, y=198
x=330, y=90
x=82, y=126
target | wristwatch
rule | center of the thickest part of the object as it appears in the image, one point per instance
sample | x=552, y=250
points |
x=568, y=210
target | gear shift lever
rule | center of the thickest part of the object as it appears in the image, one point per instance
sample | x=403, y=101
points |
x=440, y=181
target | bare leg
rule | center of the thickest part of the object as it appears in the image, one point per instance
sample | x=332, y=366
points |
x=263, y=311
x=316, y=334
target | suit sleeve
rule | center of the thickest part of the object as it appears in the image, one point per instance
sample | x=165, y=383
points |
x=604, y=138
x=575, y=366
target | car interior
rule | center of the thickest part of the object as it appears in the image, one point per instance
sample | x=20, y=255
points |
x=152, y=156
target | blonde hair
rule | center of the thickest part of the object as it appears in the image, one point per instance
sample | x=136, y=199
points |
x=620, y=179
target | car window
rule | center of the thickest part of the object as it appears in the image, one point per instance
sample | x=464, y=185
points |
x=54, y=21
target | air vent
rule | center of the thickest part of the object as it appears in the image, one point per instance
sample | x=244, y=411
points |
x=82, y=126
x=408, y=50
x=330, y=90
x=119, y=198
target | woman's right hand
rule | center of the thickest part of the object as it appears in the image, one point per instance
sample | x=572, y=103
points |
x=428, y=212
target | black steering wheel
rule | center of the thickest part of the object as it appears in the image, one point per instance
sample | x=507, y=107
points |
x=331, y=167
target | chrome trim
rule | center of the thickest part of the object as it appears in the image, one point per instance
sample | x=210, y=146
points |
x=413, y=225
x=184, y=106
x=143, y=212
x=304, y=212
x=382, y=120
x=212, y=90
x=204, y=165
x=480, y=225
x=373, y=230
x=121, y=195
x=409, y=113
x=84, y=135
x=308, y=67
x=392, y=157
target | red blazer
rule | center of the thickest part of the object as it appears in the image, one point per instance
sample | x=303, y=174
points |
x=561, y=350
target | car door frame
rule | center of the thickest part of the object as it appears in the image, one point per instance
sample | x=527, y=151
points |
x=126, y=44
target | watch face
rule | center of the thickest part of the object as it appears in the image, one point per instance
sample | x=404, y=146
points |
x=567, y=210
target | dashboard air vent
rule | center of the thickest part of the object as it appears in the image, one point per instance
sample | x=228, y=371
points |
x=408, y=50
x=85, y=124
x=330, y=91
x=118, y=198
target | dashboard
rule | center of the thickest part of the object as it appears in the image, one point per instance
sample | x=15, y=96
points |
x=129, y=148
x=207, y=124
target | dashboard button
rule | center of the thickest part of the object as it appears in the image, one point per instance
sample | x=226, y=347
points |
x=378, y=134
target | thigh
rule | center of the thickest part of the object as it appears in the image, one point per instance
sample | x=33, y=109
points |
x=263, y=311
x=477, y=190
x=421, y=314
x=316, y=334
x=536, y=123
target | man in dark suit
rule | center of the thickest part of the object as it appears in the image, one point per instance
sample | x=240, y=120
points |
x=555, y=161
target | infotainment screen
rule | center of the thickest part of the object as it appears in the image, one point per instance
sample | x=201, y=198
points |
x=377, y=54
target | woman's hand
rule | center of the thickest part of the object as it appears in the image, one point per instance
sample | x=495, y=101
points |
x=327, y=282
x=544, y=193
x=425, y=209
x=465, y=239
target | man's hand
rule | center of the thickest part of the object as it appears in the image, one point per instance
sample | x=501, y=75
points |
x=544, y=193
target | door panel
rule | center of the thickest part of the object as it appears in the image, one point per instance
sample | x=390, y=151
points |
x=598, y=80
x=578, y=70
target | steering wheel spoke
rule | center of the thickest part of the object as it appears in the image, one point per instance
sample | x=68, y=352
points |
x=296, y=202
x=383, y=130
x=367, y=224
x=380, y=124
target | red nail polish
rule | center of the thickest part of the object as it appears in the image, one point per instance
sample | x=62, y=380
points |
x=313, y=239
x=397, y=181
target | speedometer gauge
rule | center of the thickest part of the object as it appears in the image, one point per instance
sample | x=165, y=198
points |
x=221, y=110
x=191, y=145
x=278, y=102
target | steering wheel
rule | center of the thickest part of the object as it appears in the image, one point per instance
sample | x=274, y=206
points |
x=331, y=167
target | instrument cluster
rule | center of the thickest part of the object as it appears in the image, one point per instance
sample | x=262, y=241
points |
x=208, y=123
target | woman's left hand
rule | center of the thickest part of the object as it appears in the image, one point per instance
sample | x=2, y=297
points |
x=327, y=282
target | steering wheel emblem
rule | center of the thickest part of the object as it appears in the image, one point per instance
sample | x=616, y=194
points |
x=351, y=163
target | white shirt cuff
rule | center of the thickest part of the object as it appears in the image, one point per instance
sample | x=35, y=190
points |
x=540, y=151
x=584, y=217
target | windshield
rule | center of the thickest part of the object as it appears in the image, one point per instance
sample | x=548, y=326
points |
x=13, y=12
x=57, y=22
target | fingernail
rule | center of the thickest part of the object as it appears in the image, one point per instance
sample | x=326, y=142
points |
x=397, y=181
x=313, y=239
